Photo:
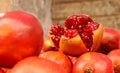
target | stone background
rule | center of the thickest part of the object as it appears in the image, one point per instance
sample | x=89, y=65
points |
x=106, y=12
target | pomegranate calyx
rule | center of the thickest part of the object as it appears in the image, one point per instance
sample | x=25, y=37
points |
x=88, y=70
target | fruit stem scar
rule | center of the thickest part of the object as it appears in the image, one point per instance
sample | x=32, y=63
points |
x=88, y=70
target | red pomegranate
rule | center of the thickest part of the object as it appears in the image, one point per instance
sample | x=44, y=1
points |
x=36, y=65
x=114, y=55
x=1, y=71
x=79, y=34
x=59, y=58
x=110, y=40
x=21, y=35
x=4, y=69
x=93, y=62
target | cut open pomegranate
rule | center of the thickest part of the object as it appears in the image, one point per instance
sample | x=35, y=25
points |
x=87, y=31
x=85, y=26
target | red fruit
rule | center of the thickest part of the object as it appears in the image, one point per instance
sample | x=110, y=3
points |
x=110, y=40
x=21, y=35
x=59, y=58
x=48, y=45
x=36, y=65
x=114, y=55
x=93, y=62
x=1, y=71
x=81, y=35
x=85, y=25
x=4, y=69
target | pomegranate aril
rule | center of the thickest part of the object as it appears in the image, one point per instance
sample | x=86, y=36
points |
x=80, y=31
x=87, y=39
x=76, y=20
x=56, y=31
x=71, y=25
x=71, y=33
x=88, y=29
x=93, y=25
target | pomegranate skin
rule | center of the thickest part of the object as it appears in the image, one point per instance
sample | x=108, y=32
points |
x=1, y=71
x=48, y=45
x=21, y=35
x=114, y=55
x=59, y=58
x=93, y=62
x=110, y=40
x=36, y=65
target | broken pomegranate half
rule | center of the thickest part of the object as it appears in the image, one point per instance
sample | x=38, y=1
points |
x=80, y=34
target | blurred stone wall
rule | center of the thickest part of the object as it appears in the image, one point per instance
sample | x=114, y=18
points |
x=39, y=8
x=106, y=12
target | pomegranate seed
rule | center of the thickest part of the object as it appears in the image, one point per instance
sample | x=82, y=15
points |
x=71, y=33
x=56, y=31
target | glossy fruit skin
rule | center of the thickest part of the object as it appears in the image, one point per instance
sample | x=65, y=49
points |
x=93, y=62
x=36, y=65
x=110, y=40
x=59, y=58
x=76, y=47
x=21, y=35
x=48, y=45
x=4, y=69
x=1, y=71
x=114, y=55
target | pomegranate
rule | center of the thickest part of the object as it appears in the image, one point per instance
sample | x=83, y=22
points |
x=114, y=55
x=93, y=62
x=1, y=71
x=21, y=36
x=36, y=65
x=110, y=40
x=5, y=69
x=59, y=58
x=48, y=45
x=80, y=34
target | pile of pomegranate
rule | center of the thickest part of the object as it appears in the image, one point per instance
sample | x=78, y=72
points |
x=80, y=45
